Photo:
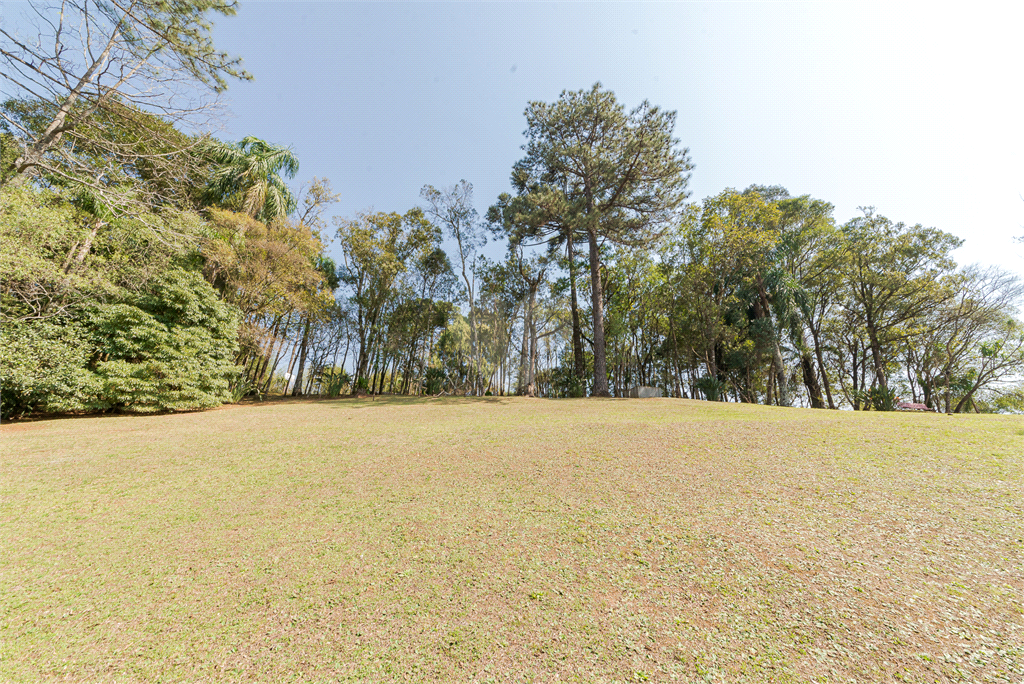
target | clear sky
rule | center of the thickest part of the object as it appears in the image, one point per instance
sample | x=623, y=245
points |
x=913, y=108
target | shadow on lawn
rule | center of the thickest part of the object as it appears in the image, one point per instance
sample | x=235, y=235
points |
x=359, y=402
x=370, y=401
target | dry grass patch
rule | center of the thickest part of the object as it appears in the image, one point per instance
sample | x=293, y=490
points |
x=513, y=540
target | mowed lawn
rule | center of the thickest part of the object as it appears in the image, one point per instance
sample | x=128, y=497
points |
x=507, y=539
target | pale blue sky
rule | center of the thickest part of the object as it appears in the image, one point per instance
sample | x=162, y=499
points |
x=914, y=109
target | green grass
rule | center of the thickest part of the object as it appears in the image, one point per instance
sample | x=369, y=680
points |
x=513, y=540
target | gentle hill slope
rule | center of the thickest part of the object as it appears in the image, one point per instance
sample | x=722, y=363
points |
x=513, y=539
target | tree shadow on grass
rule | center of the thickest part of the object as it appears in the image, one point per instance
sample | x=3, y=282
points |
x=247, y=402
x=369, y=401
x=345, y=401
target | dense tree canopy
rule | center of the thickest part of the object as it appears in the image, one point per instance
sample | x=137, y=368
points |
x=605, y=173
x=217, y=281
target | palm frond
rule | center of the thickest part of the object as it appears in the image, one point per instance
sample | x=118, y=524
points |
x=253, y=168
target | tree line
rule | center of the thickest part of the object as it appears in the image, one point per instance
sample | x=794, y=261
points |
x=146, y=269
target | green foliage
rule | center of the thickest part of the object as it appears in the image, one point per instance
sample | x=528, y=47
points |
x=8, y=153
x=395, y=274
x=264, y=269
x=878, y=398
x=434, y=379
x=712, y=388
x=242, y=388
x=98, y=315
x=247, y=177
x=43, y=368
x=592, y=169
x=334, y=381
x=565, y=383
x=171, y=349
x=894, y=276
x=139, y=161
x=1009, y=402
x=601, y=169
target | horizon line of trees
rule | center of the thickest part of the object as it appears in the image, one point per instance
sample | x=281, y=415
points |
x=147, y=269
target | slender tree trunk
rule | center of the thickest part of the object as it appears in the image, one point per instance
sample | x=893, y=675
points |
x=374, y=372
x=385, y=361
x=292, y=358
x=876, y=355
x=910, y=379
x=407, y=376
x=821, y=365
x=677, y=377
x=864, y=368
x=524, y=353
x=597, y=307
x=310, y=381
x=811, y=380
x=274, y=344
x=853, y=375
x=394, y=372
x=83, y=252
x=946, y=392
x=531, y=386
x=280, y=346
x=362, y=365
x=579, y=367
x=297, y=389
x=344, y=358
x=472, y=316
x=782, y=397
x=380, y=368
x=778, y=365
x=264, y=376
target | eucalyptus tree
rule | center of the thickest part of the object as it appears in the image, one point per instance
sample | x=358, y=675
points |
x=502, y=295
x=617, y=176
x=317, y=311
x=637, y=318
x=317, y=197
x=376, y=249
x=112, y=58
x=452, y=207
x=430, y=287
x=532, y=271
x=421, y=303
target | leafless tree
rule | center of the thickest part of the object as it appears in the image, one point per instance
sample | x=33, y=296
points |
x=99, y=87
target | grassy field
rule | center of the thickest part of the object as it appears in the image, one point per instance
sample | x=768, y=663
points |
x=513, y=540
